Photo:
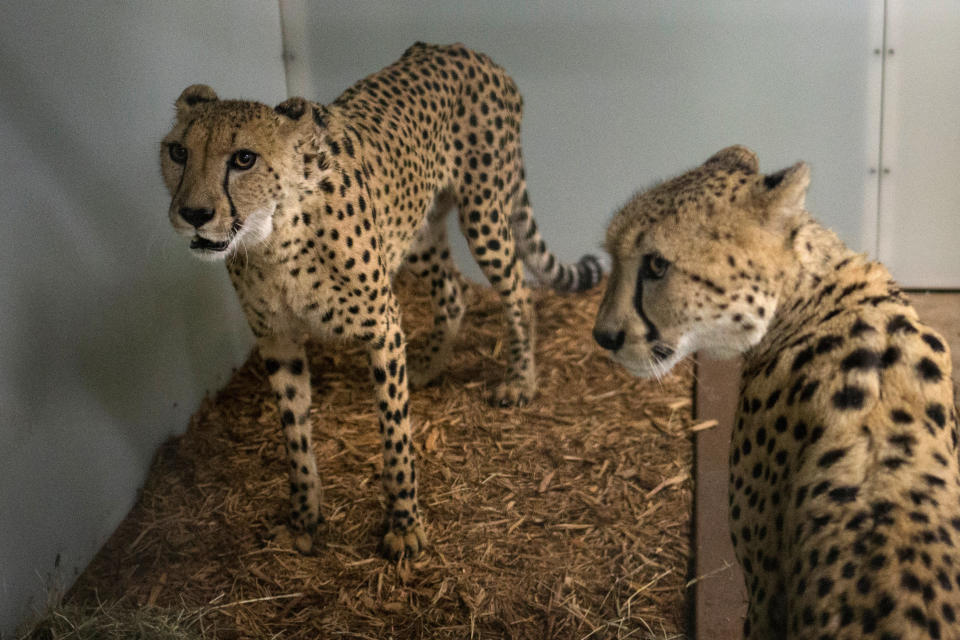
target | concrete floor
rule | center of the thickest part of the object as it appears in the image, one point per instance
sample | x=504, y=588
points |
x=720, y=596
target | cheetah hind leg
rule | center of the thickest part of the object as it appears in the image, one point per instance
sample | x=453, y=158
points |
x=430, y=260
x=491, y=242
x=520, y=385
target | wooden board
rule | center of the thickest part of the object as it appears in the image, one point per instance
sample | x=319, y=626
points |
x=720, y=595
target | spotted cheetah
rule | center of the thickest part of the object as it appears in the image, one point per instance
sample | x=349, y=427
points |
x=844, y=488
x=314, y=208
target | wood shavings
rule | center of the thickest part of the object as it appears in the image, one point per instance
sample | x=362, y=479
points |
x=566, y=519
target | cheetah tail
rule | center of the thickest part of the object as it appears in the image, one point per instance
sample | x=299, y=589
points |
x=582, y=275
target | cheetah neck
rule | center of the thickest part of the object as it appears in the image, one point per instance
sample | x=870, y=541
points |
x=825, y=277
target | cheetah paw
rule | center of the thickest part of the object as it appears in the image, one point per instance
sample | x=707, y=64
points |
x=303, y=542
x=407, y=543
x=511, y=395
x=283, y=536
x=422, y=371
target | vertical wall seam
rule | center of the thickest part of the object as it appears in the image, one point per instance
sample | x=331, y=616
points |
x=296, y=60
x=880, y=159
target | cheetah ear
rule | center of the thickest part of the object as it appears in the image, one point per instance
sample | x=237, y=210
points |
x=783, y=194
x=292, y=108
x=192, y=96
x=736, y=157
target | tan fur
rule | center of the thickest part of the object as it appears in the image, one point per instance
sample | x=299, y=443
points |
x=844, y=481
x=334, y=201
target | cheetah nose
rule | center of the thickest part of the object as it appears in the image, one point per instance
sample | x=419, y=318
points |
x=196, y=217
x=609, y=340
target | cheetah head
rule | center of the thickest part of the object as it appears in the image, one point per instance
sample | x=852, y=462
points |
x=698, y=262
x=225, y=164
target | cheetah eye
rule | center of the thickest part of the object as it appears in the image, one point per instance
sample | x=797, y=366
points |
x=243, y=159
x=653, y=266
x=178, y=153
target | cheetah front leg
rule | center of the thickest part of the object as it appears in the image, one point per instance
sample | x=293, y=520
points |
x=287, y=368
x=387, y=355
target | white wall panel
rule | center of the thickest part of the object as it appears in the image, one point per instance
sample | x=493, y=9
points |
x=110, y=333
x=919, y=232
x=621, y=94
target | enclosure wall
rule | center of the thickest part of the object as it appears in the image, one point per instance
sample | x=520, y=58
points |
x=618, y=95
x=110, y=333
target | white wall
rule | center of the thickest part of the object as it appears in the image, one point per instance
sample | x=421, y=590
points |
x=620, y=94
x=110, y=333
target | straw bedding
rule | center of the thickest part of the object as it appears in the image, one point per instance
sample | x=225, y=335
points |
x=569, y=518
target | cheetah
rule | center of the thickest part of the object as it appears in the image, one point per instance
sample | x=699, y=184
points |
x=844, y=491
x=314, y=208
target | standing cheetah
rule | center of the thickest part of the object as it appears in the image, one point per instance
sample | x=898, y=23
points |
x=844, y=483
x=314, y=209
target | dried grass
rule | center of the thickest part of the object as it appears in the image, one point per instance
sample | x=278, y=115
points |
x=117, y=621
x=566, y=519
